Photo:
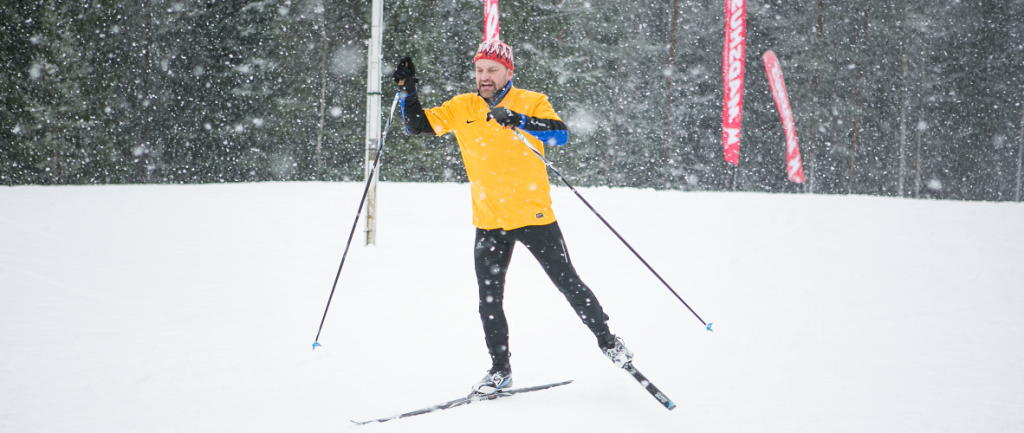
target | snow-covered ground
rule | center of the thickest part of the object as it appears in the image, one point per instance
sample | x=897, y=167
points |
x=193, y=309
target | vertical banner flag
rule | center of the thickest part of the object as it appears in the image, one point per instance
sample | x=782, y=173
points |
x=491, y=31
x=733, y=61
x=794, y=167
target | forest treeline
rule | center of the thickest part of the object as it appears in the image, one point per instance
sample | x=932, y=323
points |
x=890, y=97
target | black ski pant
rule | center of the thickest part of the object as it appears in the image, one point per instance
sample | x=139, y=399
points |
x=492, y=254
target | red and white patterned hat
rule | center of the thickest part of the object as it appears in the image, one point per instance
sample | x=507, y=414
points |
x=495, y=50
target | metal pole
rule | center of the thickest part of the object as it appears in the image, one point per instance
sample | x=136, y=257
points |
x=917, y=166
x=1020, y=154
x=351, y=233
x=903, y=125
x=373, y=96
x=607, y=224
x=323, y=89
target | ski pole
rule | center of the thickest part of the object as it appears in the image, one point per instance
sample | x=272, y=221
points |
x=366, y=189
x=566, y=182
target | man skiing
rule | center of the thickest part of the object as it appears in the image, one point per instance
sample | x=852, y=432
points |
x=510, y=193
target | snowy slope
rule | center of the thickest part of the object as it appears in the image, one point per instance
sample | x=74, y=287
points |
x=193, y=308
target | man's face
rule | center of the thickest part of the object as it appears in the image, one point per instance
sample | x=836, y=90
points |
x=491, y=77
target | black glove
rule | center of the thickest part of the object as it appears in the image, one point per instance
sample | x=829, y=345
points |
x=405, y=75
x=505, y=117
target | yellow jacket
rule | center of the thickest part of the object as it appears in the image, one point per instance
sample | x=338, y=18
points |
x=509, y=183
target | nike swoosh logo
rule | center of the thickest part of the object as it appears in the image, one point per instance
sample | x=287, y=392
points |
x=470, y=121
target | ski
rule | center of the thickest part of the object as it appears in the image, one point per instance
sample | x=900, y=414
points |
x=464, y=401
x=662, y=398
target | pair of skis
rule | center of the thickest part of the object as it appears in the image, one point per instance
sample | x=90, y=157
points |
x=466, y=400
x=661, y=397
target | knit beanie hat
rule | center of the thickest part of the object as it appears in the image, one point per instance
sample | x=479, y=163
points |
x=495, y=50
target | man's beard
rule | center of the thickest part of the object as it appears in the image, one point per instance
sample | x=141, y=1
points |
x=493, y=90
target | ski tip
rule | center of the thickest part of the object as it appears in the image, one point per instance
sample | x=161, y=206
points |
x=315, y=345
x=709, y=327
x=670, y=405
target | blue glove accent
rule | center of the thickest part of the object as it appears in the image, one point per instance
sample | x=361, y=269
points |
x=557, y=137
x=407, y=131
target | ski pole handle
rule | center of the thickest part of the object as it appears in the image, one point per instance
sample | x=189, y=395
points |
x=402, y=81
x=405, y=74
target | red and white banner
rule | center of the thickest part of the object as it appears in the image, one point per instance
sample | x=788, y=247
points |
x=733, y=61
x=794, y=167
x=491, y=31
